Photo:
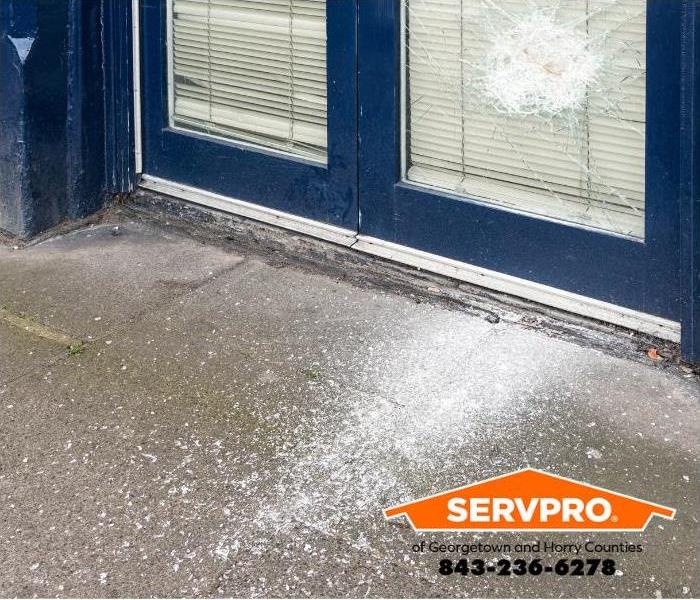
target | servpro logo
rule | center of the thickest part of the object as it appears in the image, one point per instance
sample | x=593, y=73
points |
x=529, y=500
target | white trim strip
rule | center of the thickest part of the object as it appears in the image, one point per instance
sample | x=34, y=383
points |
x=543, y=294
x=330, y=233
x=536, y=292
x=136, y=49
x=171, y=70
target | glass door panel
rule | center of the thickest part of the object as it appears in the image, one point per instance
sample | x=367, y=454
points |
x=250, y=71
x=535, y=139
x=536, y=106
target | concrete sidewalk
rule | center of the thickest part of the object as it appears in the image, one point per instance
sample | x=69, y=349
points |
x=231, y=422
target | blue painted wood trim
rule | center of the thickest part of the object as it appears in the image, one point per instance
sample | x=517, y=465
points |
x=120, y=162
x=690, y=195
x=85, y=109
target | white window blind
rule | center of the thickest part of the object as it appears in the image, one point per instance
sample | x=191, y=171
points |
x=586, y=167
x=251, y=70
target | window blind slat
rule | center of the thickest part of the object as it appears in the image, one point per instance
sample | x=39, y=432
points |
x=253, y=70
x=589, y=169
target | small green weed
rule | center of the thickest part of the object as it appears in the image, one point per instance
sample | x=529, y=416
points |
x=75, y=349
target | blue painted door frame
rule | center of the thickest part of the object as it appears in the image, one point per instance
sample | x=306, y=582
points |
x=324, y=192
x=660, y=276
x=690, y=177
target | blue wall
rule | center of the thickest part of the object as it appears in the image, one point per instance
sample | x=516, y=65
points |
x=52, y=113
x=17, y=31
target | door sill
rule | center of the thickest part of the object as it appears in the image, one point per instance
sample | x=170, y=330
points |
x=529, y=290
x=485, y=278
x=330, y=233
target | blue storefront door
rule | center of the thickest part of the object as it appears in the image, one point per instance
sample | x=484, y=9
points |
x=412, y=123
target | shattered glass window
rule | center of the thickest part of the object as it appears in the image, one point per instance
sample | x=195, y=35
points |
x=535, y=105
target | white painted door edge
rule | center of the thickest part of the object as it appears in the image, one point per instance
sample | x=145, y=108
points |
x=330, y=233
x=136, y=58
x=549, y=296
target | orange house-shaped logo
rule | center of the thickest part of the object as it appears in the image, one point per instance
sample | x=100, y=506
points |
x=529, y=500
